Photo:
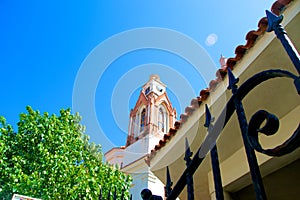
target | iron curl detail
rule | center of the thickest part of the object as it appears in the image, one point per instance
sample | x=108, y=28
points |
x=271, y=126
x=272, y=122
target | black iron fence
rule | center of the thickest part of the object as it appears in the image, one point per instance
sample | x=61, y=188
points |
x=249, y=130
x=113, y=195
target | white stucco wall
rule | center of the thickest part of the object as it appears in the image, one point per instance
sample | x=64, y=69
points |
x=144, y=178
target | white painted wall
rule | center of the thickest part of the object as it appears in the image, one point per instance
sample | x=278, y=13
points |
x=144, y=178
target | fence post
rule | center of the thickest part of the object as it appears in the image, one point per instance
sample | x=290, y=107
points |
x=169, y=183
x=108, y=195
x=122, y=195
x=252, y=161
x=189, y=177
x=115, y=194
x=214, y=159
x=100, y=195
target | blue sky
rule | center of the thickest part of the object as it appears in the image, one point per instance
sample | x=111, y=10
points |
x=43, y=46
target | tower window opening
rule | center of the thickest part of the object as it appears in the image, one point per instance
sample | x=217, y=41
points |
x=147, y=90
x=161, y=120
x=142, y=122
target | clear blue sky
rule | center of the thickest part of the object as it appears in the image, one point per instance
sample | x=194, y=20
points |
x=43, y=44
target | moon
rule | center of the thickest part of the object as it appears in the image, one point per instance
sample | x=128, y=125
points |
x=211, y=39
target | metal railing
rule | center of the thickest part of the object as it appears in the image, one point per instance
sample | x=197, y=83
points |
x=114, y=195
x=249, y=130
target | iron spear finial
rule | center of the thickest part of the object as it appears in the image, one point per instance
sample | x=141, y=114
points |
x=169, y=183
x=115, y=194
x=273, y=20
x=274, y=25
x=188, y=152
x=100, y=195
x=207, y=117
x=232, y=80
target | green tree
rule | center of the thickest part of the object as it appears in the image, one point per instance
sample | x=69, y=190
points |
x=50, y=158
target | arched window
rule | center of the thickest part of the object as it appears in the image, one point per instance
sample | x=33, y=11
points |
x=136, y=126
x=161, y=120
x=142, y=120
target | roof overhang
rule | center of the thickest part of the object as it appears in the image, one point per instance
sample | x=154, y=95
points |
x=277, y=96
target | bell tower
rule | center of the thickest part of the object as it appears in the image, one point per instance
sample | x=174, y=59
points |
x=152, y=116
x=153, y=113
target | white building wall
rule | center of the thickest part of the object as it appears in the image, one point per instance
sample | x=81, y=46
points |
x=140, y=181
x=143, y=178
x=116, y=156
x=136, y=150
x=155, y=185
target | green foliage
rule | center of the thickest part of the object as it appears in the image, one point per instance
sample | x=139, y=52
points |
x=50, y=158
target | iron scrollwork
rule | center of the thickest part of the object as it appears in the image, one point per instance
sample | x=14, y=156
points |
x=249, y=131
x=271, y=122
x=271, y=127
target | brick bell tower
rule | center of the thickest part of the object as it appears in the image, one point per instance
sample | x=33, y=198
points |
x=153, y=114
x=151, y=117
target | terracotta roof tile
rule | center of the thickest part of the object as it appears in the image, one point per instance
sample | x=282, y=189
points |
x=172, y=132
x=221, y=73
x=204, y=94
x=196, y=102
x=279, y=6
x=177, y=125
x=213, y=84
x=189, y=110
x=162, y=143
x=251, y=37
x=184, y=117
x=167, y=137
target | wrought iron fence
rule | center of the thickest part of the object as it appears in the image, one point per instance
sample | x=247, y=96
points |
x=114, y=195
x=249, y=130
